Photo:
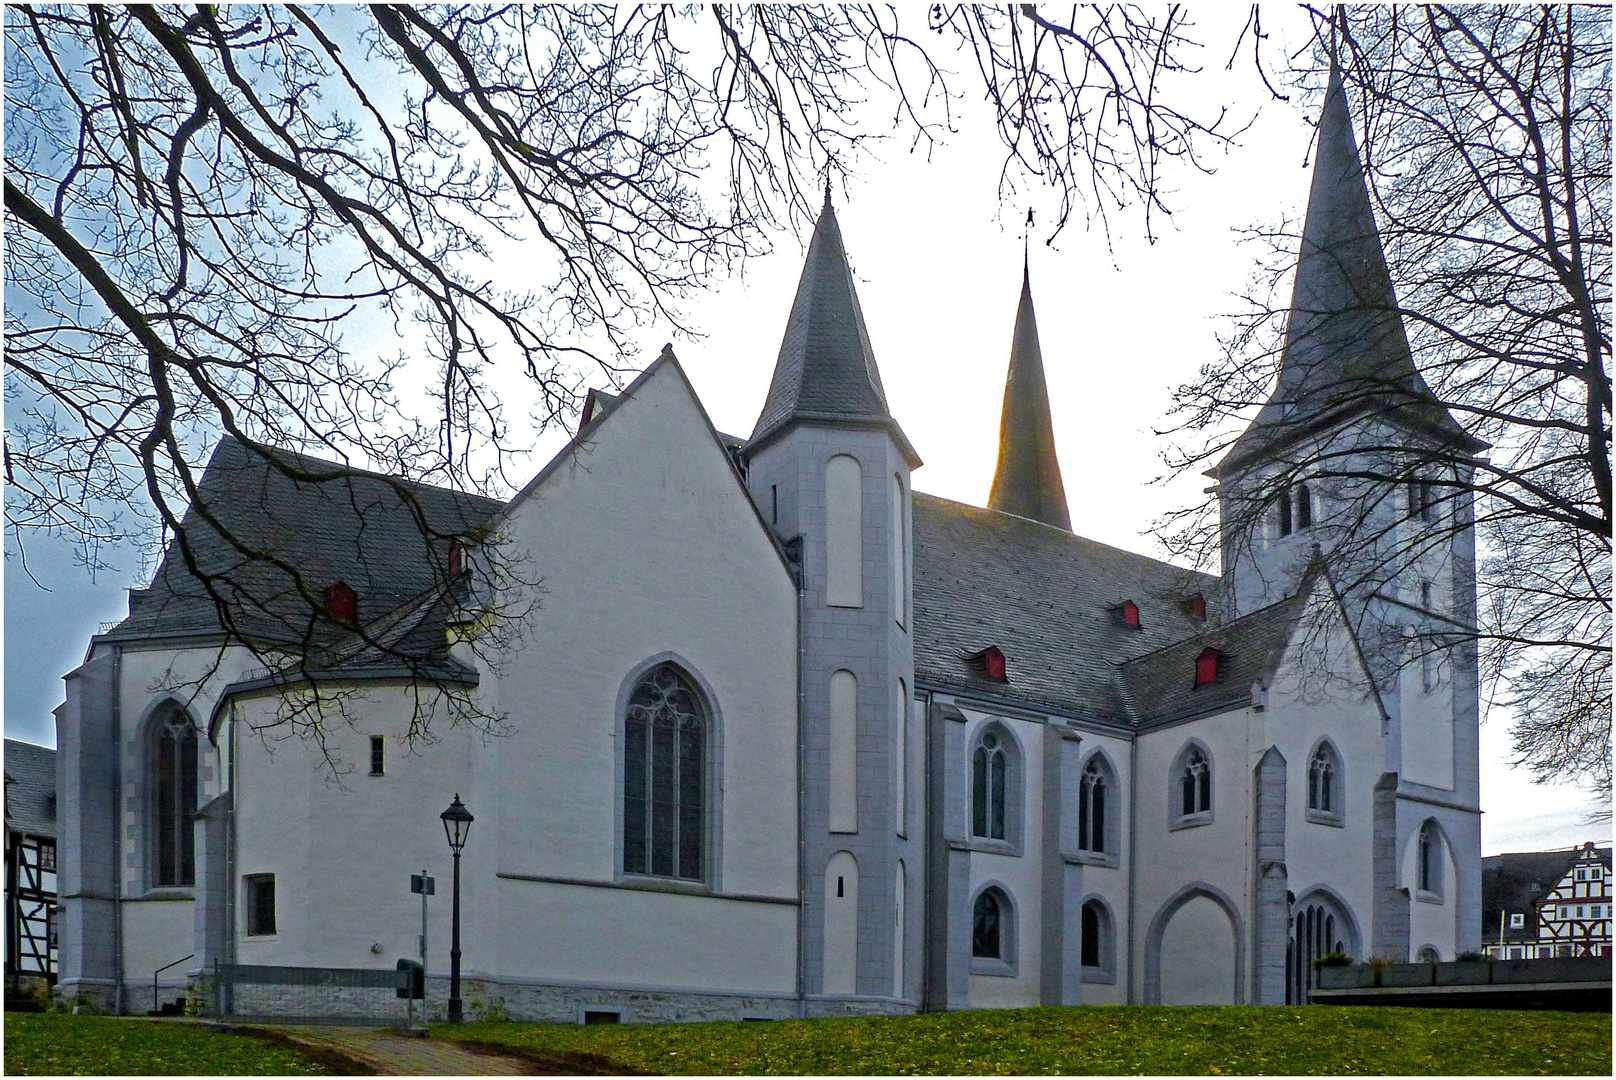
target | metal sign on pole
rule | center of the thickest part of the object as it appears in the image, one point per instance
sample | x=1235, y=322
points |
x=426, y=885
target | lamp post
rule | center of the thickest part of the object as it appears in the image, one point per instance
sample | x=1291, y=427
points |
x=456, y=826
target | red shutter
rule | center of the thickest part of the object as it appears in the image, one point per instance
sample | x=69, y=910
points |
x=1130, y=614
x=1206, y=667
x=993, y=659
x=1198, y=606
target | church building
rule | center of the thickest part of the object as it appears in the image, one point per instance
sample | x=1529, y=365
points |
x=780, y=735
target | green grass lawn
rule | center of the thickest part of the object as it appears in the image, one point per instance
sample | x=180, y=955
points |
x=1100, y=1039
x=61, y=1044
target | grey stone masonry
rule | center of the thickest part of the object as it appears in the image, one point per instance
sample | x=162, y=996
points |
x=87, y=780
x=1061, y=971
x=1391, y=914
x=948, y=882
x=1270, y=915
x=873, y=643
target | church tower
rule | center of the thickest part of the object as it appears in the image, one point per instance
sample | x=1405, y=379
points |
x=1027, y=482
x=1354, y=456
x=829, y=469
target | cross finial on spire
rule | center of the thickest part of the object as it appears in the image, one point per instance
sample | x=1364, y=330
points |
x=1026, y=245
x=827, y=187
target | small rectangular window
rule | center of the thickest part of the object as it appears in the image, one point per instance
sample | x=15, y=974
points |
x=260, y=905
x=377, y=755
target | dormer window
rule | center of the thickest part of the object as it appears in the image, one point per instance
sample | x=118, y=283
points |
x=1206, y=666
x=1126, y=614
x=342, y=603
x=989, y=664
x=456, y=558
x=1195, y=606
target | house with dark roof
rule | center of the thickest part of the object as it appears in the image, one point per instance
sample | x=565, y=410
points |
x=31, y=926
x=1541, y=904
x=749, y=727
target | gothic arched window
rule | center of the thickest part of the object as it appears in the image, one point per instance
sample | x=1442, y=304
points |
x=1326, y=790
x=989, y=778
x=1092, y=807
x=990, y=925
x=1430, y=859
x=173, y=797
x=664, y=777
x=1097, y=942
x=1194, y=775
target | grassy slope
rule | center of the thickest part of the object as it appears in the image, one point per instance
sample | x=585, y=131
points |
x=1103, y=1040
x=56, y=1044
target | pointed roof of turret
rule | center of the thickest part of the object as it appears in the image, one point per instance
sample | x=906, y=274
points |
x=1345, y=348
x=1027, y=482
x=826, y=369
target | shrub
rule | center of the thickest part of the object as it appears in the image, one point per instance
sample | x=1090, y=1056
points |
x=1471, y=955
x=1333, y=959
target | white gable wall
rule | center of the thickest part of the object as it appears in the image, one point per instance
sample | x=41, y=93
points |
x=649, y=548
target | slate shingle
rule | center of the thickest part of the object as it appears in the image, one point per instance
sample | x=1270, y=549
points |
x=30, y=788
x=361, y=528
x=1045, y=597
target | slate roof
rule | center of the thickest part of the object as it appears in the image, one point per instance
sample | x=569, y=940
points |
x=30, y=788
x=1345, y=349
x=1043, y=596
x=1516, y=881
x=360, y=528
x=826, y=369
x=1027, y=481
x=1160, y=686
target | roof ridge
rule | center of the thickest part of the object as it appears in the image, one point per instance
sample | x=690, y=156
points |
x=1067, y=534
x=354, y=470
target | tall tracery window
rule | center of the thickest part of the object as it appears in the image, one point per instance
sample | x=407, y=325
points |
x=989, y=775
x=173, y=777
x=664, y=777
x=1194, y=783
x=1091, y=807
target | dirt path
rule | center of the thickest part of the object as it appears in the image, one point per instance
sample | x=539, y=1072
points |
x=384, y=1052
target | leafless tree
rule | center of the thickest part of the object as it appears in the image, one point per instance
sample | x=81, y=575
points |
x=1485, y=136
x=214, y=214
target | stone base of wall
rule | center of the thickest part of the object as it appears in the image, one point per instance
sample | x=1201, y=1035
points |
x=486, y=999
x=95, y=994
x=493, y=1000
x=833, y=1007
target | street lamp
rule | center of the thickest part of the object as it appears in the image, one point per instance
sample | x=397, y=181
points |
x=456, y=826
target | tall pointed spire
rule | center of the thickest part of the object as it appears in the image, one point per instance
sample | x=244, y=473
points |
x=1345, y=348
x=826, y=369
x=1028, y=479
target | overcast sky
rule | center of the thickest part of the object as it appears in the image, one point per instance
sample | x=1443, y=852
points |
x=938, y=269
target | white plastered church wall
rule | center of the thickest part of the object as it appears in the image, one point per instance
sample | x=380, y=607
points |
x=1109, y=882
x=1320, y=692
x=1019, y=874
x=159, y=923
x=342, y=851
x=649, y=549
x=1214, y=858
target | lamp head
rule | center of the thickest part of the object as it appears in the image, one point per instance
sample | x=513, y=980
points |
x=457, y=824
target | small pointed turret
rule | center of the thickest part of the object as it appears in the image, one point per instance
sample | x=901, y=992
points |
x=1345, y=348
x=826, y=369
x=1027, y=482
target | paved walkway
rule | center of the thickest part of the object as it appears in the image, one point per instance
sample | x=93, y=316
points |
x=388, y=1053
